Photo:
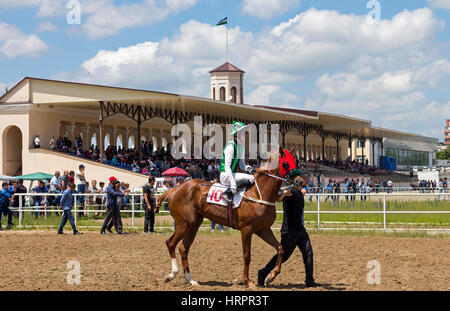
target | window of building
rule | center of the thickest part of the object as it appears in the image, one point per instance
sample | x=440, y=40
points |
x=233, y=94
x=408, y=157
x=214, y=93
x=222, y=93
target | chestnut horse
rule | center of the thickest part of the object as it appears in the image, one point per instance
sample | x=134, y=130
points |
x=255, y=215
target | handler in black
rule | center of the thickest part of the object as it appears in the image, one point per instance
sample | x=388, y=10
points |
x=149, y=223
x=112, y=207
x=293, y=232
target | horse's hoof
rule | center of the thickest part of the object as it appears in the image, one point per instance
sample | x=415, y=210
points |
x=194, y=283
x=268, y=280
x=168, y=278
x=252, y=286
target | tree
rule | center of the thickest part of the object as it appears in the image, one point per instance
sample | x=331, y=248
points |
x=443, y=155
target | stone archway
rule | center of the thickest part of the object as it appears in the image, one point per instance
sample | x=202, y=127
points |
x=12, y=150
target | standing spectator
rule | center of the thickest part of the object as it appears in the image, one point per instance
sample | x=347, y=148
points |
x=20, y=188
x=39, y=201
x=80, y=179
x=71, y=177
x=113, y=192
x=149, y=224
x=100, y=200
x=445, y=188
x=346, y=188
x=37, y=142
x=66, y=206
x=5, y=199
x=329, y=190
x=52, y=144
x=93, y=189
x=389, y=185
x=56, y=187
x=65, y=180
x=213, y=227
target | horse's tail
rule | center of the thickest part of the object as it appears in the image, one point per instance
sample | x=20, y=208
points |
x=163, y=197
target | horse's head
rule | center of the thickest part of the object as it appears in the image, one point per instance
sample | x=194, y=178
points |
x=279, y=163
x=282, y=163
x=287, y=162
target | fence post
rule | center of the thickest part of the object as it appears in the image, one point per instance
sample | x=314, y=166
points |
x=75, y=207
x=45, y=207
x=20, y=211
x=384, y=211
x=318, y=212
x=132, y=210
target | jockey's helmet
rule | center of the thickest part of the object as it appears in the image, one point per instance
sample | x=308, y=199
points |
x=237, y=127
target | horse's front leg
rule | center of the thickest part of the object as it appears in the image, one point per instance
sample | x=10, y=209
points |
x=246, y=235
x=268, y=236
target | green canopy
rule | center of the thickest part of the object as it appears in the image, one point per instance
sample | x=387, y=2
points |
x=35, y=176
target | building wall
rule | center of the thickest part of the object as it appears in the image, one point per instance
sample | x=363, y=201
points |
x=41, y=160
x=9, y=119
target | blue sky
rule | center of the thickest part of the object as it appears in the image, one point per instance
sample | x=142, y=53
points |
x=318, y=55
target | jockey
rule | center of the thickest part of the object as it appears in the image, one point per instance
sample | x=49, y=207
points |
x=230, y=160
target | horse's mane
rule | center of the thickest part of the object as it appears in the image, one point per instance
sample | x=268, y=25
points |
x=274, y=156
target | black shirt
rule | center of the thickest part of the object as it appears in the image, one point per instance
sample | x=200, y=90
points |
x=293, y=207
x=149, y=191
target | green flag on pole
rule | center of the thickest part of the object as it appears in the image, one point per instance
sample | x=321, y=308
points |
x=223, y=21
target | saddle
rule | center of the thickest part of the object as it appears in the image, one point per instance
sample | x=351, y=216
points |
x=215, y=195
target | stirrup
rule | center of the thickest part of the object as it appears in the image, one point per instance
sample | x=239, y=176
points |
x=228, y=196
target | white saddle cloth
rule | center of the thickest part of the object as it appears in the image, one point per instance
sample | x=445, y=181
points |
x=215, y=195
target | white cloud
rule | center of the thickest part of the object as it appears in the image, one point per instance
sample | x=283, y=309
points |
x=178, y=64
x=14, y=43
x=46, y=7
x=392, y=99
x=272, y=95
x=103, y=18
x=267, y=9
x=323, y=40
x=47, y=26
x=440, y=4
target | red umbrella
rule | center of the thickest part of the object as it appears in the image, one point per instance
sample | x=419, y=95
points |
x=175, y=171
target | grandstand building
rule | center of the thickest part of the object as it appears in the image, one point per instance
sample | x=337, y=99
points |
x=106, y=115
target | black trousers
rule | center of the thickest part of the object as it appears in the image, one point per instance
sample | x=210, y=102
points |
x=290, y=241
x=6, y=211
x=149, y=223
x=114, y=215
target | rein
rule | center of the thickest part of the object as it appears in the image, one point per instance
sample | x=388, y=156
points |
x=259, y=192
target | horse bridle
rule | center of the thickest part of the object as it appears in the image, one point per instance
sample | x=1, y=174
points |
x=259, y=192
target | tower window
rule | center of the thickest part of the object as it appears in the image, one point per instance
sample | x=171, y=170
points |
x=222, y=93
x=233, y=94
x=214, y=93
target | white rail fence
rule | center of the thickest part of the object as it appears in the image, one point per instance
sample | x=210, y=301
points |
x=136, y=204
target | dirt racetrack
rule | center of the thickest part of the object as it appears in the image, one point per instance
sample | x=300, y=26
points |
x=36, y=260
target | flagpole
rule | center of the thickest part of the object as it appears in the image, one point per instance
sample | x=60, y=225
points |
x=227, y=41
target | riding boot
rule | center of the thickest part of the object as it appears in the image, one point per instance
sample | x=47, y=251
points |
x=228, y=195
x=243, y=184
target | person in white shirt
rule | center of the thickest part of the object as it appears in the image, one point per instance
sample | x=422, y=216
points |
x=52, y=143
x=80, y=180
x=56, y=187
x=37, y=142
